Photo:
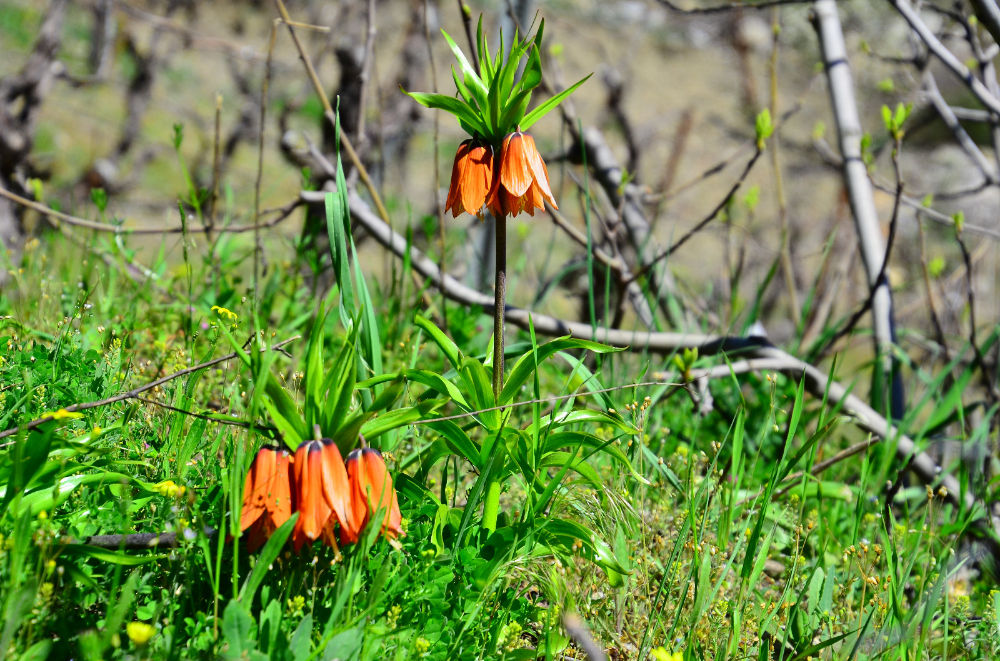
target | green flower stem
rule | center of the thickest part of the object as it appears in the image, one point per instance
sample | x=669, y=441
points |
x=492, y=504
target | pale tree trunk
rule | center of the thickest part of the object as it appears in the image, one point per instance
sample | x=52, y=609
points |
x=860, y=194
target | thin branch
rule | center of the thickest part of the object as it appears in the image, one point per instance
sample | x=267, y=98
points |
x=719, y=9
x=193, y=414
x=283, y=213
x=577, y=630
x=135, y=392
x=862, y=415
x=330, y=114
x=257, y=247
x=946, y=56
x=980, y=360
x=951, y=121
x=709, y=218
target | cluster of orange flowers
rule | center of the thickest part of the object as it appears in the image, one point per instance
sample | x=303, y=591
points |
x=506, y=181
x=324, y=489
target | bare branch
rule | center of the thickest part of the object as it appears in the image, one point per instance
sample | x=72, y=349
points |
x=948, y=58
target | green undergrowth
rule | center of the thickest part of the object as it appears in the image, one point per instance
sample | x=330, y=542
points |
x=674, y=530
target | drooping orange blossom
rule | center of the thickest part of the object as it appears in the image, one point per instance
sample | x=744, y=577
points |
x=507, y=179
x=267, y=495
x=372, y=492
x=325, y=492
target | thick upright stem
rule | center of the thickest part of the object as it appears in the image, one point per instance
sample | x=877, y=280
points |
x=499, y=303
x=491, y=506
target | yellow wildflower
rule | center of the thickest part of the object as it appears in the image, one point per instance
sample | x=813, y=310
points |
x=661, y=654
x=139, y=632
x=62, y=413
x=224, y=312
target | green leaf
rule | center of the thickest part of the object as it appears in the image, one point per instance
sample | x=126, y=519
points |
x=425, y=378
x=237, y=629
x=813, y=650
x=285, y=406
x=663, y=470
x=458, y=442
x=485, y=65
x=532, y=76
x=477, y=86
x=449, y=348
x=464, y=91
x=267, y=556
x=389, y=395
x=37, y=652
x=338, y=249
x=761, y=558
x=413, y=490
x=566, y=532
x=16, y=607
x=480, y=389
x=30, y=451
x=526, y=364
x=565, y=439
x=544, y=108
x=289, y=431
x=375, y=427
x=114, y=557
x=452, y=105
x=514, y=110
x=554, y=420
x=578, y=465
x=338, y=388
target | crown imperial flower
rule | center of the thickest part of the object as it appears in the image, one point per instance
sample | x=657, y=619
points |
x=500, y=168
x=325, y=492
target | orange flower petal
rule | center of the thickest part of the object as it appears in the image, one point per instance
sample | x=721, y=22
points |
x=515, y=168
x=313, y=510
x=455, y=190
x=266, y=491
x=477, y=177
x=540, y=173
x=372, y=490
x=279, y=499
x=336, y=487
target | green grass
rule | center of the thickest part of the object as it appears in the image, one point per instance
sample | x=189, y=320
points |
x=675, y=534
x=697, y=557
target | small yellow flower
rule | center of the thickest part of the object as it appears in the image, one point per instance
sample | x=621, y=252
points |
x=140, y=632
x=661, y=654
x=166, y=488
x=62, y=413
x=224, y=312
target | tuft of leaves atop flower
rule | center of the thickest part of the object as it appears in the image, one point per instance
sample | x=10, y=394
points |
x=493, y=101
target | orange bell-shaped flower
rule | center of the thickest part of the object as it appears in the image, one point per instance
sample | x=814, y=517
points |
x=472, y=177
x=523, y=181
x=372, y=491
x=267, y=495
x=322, y=492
